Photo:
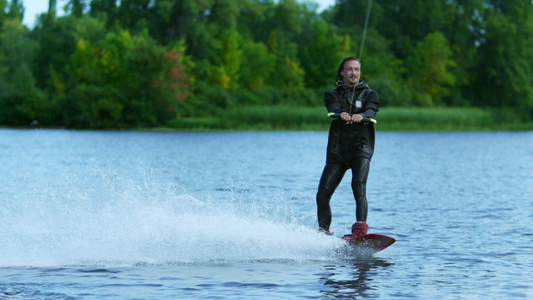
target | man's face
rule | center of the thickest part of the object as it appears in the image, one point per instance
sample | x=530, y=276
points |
x=351, y=72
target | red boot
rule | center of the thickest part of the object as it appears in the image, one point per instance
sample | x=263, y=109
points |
x=359, y=229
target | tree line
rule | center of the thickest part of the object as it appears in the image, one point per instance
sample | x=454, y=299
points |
x=145, y=63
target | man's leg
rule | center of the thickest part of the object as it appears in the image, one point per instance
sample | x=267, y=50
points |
x=360, y=169
x=330, y=180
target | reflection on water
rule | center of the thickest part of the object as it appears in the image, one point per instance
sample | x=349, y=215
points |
x=353, y=279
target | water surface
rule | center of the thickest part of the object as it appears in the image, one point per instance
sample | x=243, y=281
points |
x=138, y=215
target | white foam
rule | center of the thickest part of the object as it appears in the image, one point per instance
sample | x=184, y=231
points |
x=149, y=224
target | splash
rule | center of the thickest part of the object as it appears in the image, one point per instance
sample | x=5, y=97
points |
x=118, y=222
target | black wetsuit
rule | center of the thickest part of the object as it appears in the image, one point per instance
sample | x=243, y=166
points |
x=350, y=146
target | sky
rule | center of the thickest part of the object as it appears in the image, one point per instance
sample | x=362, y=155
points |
x=32, y=8
x=37, y=7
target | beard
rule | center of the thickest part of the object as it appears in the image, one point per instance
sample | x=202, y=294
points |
x=352, y=80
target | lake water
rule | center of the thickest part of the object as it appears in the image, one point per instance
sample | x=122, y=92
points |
x=145, y=215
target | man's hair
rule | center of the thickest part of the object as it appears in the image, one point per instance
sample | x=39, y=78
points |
x=341, y=67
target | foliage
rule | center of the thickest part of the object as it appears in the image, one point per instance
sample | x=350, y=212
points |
x=430, y=67
x=506, y=60
x=283, y=117
x=20, y=98
x=124, y=80
x=141, y=63
x=258, y=67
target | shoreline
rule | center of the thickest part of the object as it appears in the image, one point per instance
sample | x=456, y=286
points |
x=286, y=118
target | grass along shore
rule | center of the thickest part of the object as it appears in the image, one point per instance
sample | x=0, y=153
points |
x=389, y=119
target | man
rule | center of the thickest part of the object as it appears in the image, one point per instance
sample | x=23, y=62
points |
x=350, y=143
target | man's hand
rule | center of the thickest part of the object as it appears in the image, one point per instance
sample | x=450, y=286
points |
x=350, y=119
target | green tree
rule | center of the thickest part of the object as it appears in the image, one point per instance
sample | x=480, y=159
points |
x=430, y=69
x=223, y=14
x=321, y=49
x=21, y=101
x=227, y=61
x=56, y=37
x=3, y=5
x=287, y=71
x=257, y=67
x=173, y=20
x=226, y=73
x=255, y=20
x=124, y=81
x=506, y=60
x=104, y=10
x=385, y=72
x=405, y=23
x=134, y=15
x=464, y=32
x=52, y=6
x=288, y=16
x=77, y=7
x=287, y=25
x=348, y=15
x=89, y=28
x=16, y=10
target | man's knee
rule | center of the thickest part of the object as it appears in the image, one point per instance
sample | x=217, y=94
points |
x=323, y=195
x=359, y=188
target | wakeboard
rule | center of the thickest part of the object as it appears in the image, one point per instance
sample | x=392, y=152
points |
x=371, y=243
